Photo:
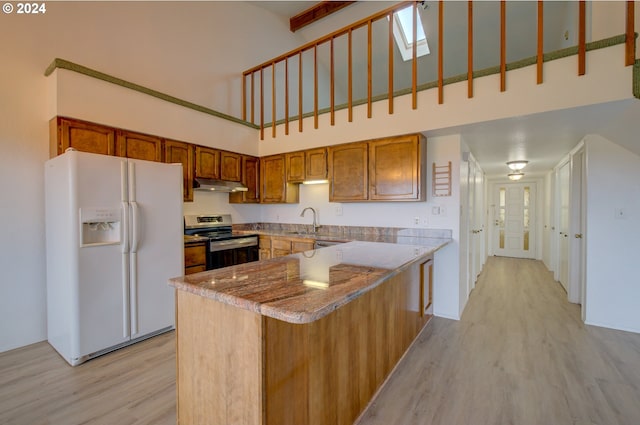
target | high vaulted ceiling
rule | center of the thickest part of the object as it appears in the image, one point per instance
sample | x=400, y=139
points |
x=542, y=139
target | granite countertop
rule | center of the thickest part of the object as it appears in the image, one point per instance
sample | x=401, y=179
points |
x=195, y=239
x=305, y=287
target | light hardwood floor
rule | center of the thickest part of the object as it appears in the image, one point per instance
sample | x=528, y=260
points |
x=520, y=355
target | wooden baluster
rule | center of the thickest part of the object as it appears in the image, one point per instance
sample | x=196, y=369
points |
x=630, y=47
x=261, y=103
x=581, y=38
x=503, y=45
x=300, y=92
x=369, y=69
x=332, y=88
x=350, y=76
x=470, y=51
x=390, y=16
x=315, y=86
x=286, y=96
x=414, y=60
x=244, y=97
x=253, y=100
x=441, y=52
x=273, y=100
x=540, y=40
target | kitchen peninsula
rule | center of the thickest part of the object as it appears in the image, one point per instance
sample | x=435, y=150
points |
x=302, y=339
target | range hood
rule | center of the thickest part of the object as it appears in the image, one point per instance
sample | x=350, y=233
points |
x=218, y=185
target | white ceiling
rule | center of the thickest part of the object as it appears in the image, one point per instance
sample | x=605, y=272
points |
x=542, y=139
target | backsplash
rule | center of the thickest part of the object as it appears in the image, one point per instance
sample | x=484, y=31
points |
x=347, y=230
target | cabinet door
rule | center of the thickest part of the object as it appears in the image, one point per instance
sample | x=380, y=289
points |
x=83, y=136
x=426, y=286
x=316, y=164
x=275, y=188
x=207, y=163
x=230, y=166
x=181, y=153
x=138, y=146
x=348, y=172
x=295, y=167
x=273, y=179
x=251, y=179
x=394, y=169
x=301, y=245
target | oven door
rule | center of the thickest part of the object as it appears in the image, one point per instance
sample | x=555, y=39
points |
x=231, y=252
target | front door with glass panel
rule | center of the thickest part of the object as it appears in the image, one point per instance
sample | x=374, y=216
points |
x=513, y=234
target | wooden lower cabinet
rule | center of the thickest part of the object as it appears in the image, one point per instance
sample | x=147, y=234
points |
x=195, y=257
x=264, y=250
x=279, y=246
x=236, y=366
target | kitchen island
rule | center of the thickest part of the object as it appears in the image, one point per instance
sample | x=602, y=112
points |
x=302, y=339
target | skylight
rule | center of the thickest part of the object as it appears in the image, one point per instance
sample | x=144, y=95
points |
x=403, y=33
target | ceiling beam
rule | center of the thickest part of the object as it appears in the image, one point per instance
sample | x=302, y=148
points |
x=315, y=13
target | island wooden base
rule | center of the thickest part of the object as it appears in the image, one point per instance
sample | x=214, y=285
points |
x=238, y=367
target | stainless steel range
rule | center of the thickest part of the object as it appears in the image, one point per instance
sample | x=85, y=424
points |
x=226, y=248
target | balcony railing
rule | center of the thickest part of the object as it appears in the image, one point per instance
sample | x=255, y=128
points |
x=330, y=67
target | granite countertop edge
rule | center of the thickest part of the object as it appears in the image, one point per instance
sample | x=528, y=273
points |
x=298, y=316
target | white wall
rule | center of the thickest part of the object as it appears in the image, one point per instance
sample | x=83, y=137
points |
x=613, y=286
x=178, y=48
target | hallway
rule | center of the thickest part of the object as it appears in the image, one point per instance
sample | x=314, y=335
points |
x=519, y=355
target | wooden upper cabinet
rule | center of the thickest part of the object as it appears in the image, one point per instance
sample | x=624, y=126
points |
x=138, y=146
x=207, y=162
x=316, y=164
x=295, y=166
x=182, y=153
x=273, y=182
x=251, y=179
x=230, y=166
x=395, y=169
x=348, y=172
x=306, y=165
x=84, y=136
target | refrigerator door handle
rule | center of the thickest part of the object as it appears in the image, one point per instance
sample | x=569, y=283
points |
x=126, y=288
x=135, y=227
x=124, y=230
x=133, y=304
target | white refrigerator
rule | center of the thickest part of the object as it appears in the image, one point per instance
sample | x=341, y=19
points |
x=114, y=236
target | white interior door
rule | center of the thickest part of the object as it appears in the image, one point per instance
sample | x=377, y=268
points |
x=564, y=174
x=576, y=226
x=471, y=199
x=514, y=211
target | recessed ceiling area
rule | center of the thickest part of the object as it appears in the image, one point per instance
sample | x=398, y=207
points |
x=544, y=139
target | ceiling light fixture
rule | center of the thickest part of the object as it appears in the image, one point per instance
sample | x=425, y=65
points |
x=515, y=176
x=517, y=165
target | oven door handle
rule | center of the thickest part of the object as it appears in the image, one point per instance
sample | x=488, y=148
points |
x=233, y=243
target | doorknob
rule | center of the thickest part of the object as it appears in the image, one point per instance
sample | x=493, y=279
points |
x=578, y=235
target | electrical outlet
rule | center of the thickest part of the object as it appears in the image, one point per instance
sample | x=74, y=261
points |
x=338, y=209
x=416, y=220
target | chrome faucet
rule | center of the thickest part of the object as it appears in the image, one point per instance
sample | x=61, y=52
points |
x=315, y=222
